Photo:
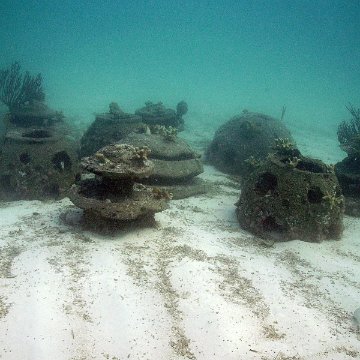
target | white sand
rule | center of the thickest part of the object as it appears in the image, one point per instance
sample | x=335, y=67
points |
x=195, y=287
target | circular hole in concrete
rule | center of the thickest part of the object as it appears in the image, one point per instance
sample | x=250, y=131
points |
x=315, y=195
x=269, y=224
x=25, y=158
x=266, y=183
x=61, y=161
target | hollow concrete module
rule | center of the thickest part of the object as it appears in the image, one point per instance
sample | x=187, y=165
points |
x=37, y=163
x=115, y=194
x=292, y=198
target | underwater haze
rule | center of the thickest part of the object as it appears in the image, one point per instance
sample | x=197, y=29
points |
x=219, y=56
x=237, y=239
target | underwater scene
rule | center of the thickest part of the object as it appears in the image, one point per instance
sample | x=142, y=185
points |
x=180, y=180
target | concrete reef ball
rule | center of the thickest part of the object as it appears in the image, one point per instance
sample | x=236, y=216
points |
x=292, y=198
x=176, y=165
x=38, y=157
x=109, y=128
x=115, y=194
x=244, y=136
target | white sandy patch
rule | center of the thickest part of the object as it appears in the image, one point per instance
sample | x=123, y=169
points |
x=194, y=287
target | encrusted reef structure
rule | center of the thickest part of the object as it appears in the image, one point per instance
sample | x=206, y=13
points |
x=113, y=194
x=37, y=163
x=176, y=165
x=38, y=158
x=246, y=138
x=109, y=128
x=289, y=196
x=157, y=114
x=348, y=170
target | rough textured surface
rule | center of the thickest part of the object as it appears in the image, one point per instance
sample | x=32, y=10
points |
x=242, y=137
x=348, y=174
x=37, y=163
x=298, y=198
x=192, y=187
x=196, y=286
x=93, y=198
x=158, y=114
x=109, y=128
x=162, y=149
x=113, y=195
x=35, y=114
x=120, y=161
x=174, y=161
x=175, y=171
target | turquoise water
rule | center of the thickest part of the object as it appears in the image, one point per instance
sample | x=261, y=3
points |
x=220, y=56
x=196, y=283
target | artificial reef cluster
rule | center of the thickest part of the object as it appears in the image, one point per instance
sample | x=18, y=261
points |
x=128, y=166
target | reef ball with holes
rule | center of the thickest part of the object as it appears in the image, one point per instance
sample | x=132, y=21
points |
x=38, y=158
x=292, y=197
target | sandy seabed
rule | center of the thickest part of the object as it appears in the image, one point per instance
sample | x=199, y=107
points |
x=195, y=286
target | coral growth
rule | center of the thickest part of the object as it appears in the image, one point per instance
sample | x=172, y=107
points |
x=291, y=198
x=161, y=194
x=349, y=132
x=293, y=162
x=158, y=114
x=108, y=128
x=169, y=133
x=115, y=194
x=253, y=162
x=333, y=199
x=17, y=89
x=283, y=145
x=120, y=161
